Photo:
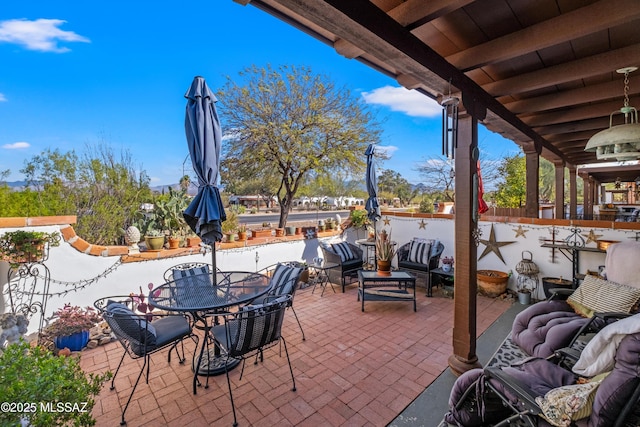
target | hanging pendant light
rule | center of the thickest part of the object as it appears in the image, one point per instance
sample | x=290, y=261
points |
x=620, y=142
x=449, y=124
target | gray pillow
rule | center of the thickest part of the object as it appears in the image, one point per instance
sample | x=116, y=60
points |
x=132, y=325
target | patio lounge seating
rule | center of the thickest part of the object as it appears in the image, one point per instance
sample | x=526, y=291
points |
x=249, y=332
x=549, y=325
x=141, y=338
x=349, y=258
x=284, y=281
x=538, y=391
x=419, y=257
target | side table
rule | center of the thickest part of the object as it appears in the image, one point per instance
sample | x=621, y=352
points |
x=321, y=276
x=442, y=276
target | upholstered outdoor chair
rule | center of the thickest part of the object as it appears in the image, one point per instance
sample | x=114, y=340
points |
x=349, y=258
x=249, y=332
x=141, y=338
x=419, y=257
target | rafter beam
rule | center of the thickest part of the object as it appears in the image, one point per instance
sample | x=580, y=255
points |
x=575, y=114
x=563, y=28
x=414, y=13
x=569, y=71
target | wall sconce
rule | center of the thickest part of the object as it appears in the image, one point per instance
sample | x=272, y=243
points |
x=620, y=142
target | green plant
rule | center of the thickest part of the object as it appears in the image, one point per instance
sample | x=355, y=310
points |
x=35, y=376
x=167, y=213
x=359, y=218
x=153, y=232
x=231, y=224
x=71, y=319
x=26, y=245
x=242, y=228
x=385, y=250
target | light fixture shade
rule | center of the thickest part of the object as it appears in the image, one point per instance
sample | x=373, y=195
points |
x=621, y=142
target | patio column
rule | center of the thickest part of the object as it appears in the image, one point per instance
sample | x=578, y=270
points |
x=532, y=152
x=573, y=192
x=588, y=193
x=464, y=355
x=559, y=169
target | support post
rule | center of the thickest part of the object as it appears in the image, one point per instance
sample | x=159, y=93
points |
x=532, y=163
x=559, y=202
x=573, y=192
x=464, y=355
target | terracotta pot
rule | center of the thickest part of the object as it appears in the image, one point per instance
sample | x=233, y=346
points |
x=298, y=230
x=242, y=235
x=492, y=283
x=384, y=268
x=279, y=232
x=193, y=241
x=174, y=243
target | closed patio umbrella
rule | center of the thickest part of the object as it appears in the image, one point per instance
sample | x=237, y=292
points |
x=205, y=213
x=372, y=206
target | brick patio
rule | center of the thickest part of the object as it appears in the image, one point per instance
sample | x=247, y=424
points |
x=356, y=369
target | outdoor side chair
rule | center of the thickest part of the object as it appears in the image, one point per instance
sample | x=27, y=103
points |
x=409, y=260
x=349, y=258
x=141, y=338
x=248, y=332
x=285, y=278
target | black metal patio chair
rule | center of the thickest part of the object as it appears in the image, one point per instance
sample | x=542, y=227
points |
x=284, y=280
x=141, y=338
x=249, y=332
x=411, y=260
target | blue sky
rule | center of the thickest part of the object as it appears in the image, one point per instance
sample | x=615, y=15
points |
x=78, y=73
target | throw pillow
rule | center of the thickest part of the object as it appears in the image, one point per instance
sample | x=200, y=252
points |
x=344, y=251
x=284, y=279
x=132, y=325
x=433, y=242
x=595, y=295
x=419, y=252
x=562, y=405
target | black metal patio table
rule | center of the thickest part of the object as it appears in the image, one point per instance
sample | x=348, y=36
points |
x=196, y=294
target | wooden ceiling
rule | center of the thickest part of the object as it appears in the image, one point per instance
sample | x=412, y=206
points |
x=544, y=69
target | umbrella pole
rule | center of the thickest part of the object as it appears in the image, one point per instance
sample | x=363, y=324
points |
x=214, y=269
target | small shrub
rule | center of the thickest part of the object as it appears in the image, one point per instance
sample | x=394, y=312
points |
x=37, y=377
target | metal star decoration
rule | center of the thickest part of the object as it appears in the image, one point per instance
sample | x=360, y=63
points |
x=592, y=236
x=422, y=224
x=493, y=246
x=386, y=220
x=520, y=231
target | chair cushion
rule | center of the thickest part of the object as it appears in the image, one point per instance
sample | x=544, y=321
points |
x=344, y=251
x=133, y=326
x=183, y=275
x=170, y=328
x=419, y=252
x=413, y=266
x=284, y=279
x=353, y=264
x=596, y=295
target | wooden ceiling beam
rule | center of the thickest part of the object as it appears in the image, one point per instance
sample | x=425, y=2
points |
x=563, y=28
x=415, y=13
x=573, y=97
x=577, y=113
x=594, y=125
x=566, y=72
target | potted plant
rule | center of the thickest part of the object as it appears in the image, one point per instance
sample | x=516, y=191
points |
x=492, y=283
x=385, y=251
x=154, y=239
x=447, y=264
x=23, y=246
x=230, y=226
x=35, y=374
x=70, y=326
x=242, y=232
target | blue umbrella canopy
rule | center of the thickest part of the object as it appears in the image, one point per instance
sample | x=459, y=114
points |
x=372, y=206
x=205, y=213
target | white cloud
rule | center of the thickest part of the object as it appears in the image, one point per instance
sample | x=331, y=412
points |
x=3, y=98
x=16, y=145
x=410, y=102
x=41, y=35
x=387, y=150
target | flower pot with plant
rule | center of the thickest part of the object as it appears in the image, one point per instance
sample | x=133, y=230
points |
x=447, y=264
x=24, y=246
x=154, y=239
x=70, y=326
x=242, y=232
x=385, y=251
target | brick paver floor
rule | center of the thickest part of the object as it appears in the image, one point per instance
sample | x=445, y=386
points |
x=355, y=369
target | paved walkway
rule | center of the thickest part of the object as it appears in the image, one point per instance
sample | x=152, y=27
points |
x=355, y=369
